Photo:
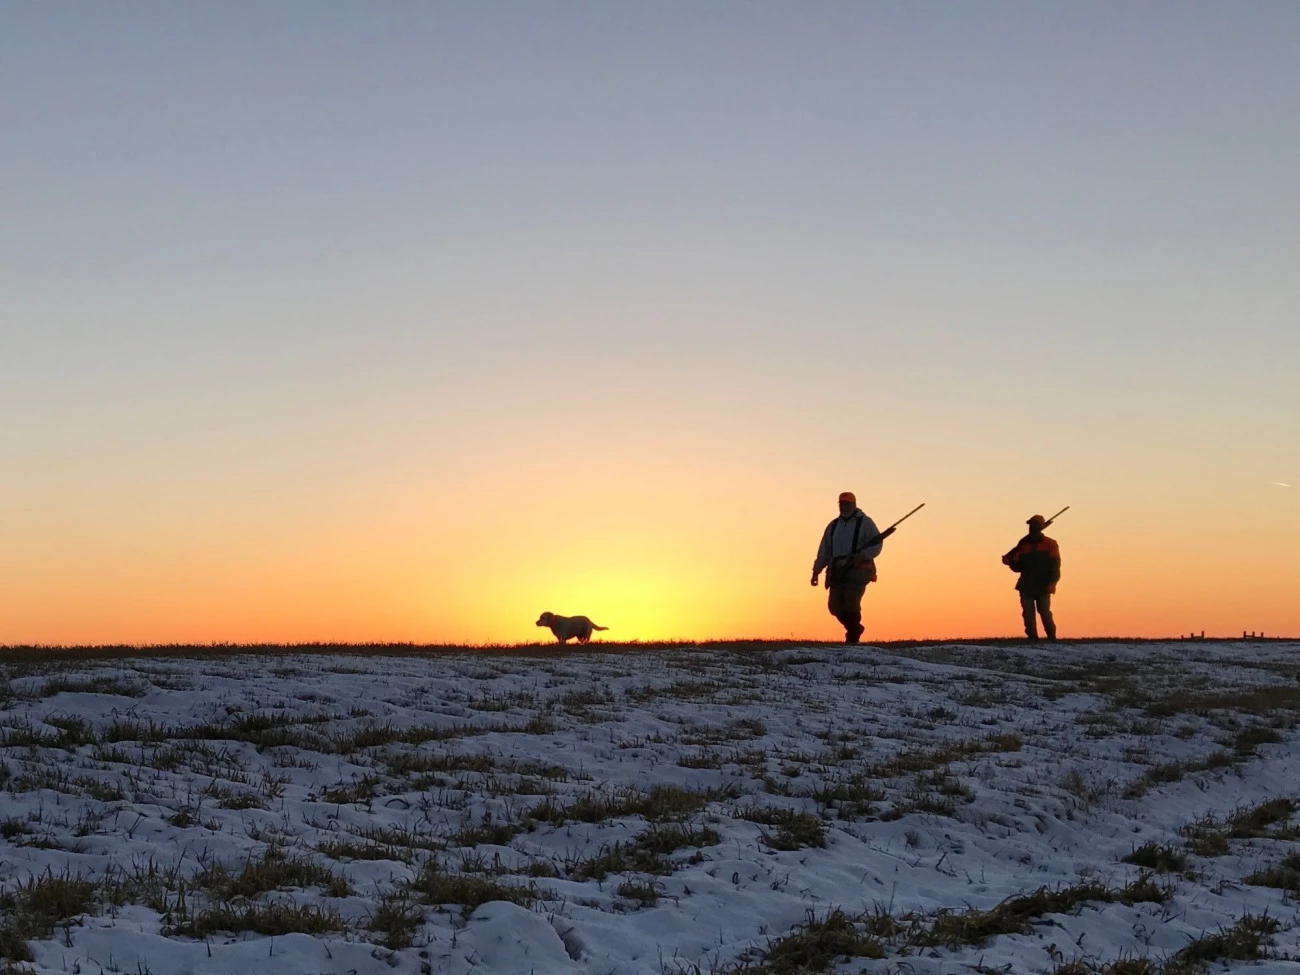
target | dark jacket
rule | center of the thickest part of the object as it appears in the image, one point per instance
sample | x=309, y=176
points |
x=1038, y=560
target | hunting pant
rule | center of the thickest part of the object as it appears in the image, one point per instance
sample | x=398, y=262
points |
x=845, y=604
x=1042, y=603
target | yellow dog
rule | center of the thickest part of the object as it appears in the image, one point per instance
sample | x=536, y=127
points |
x=566, y=628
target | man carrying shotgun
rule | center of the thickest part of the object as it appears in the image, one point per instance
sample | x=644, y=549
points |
x=1038, y=560
x=847, y=552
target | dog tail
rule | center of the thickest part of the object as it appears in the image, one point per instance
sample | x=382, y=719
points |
x=595, y=627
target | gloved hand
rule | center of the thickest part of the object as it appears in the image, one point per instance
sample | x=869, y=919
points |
x=814, y=578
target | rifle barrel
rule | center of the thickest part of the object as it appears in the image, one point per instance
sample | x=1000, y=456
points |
x=904, y=518
x=881, y=536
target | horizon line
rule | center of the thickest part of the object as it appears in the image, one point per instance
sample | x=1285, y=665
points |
x=107, y=649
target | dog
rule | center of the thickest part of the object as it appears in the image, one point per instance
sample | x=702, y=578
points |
x=566, y=628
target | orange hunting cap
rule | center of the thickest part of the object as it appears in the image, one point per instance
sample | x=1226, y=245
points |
x=1038, y=520
x=848, y=496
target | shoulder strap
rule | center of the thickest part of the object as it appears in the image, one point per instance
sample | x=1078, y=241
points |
x=857, y=531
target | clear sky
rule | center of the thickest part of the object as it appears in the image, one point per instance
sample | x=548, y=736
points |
x=396, y=321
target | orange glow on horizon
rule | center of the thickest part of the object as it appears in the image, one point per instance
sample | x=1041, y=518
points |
x=668, y=559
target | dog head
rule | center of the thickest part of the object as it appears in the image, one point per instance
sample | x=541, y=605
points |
x=546, y=619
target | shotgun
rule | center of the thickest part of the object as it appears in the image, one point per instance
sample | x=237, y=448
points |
x=880, y=536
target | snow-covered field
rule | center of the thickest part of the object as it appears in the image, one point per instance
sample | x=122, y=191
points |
x=945, y=808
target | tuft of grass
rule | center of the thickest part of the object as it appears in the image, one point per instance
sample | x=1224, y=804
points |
x=1248, y=739
x=920, y=801
x=147, y=882
x=1258, y=821
x=926, y=759
x=361, y=790
x=399, y=837
x=547, y=811
x=849, y=798
x=673, y=802
x=1270, y=819
x=405, y=764
x=13, y=946
x=37, y=906
x=397, y=920
x=272, y=919
x=705, y=759
x=1144, y=890
x=743, y=729
x=435, y=886
x=1206, y=840
x=648, y=853
x=1177, y=771
x=1015, y=915
x=58, y=779
x=1162, y=858
x=350, y=850
x=486, y=833
x=273, y=871
x=1012, y=916
x=813, y=947
x=662, y=803
x=645, y=894
x=241, y=800
x=794, y=830
x=1246, y=940
x=1284, y=876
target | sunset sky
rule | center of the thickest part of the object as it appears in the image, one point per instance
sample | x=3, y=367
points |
x=398, y=321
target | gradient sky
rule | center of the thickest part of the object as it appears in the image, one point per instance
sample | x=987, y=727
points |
x=397, y=321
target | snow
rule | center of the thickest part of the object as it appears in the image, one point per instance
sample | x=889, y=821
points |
x=1047, y=792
